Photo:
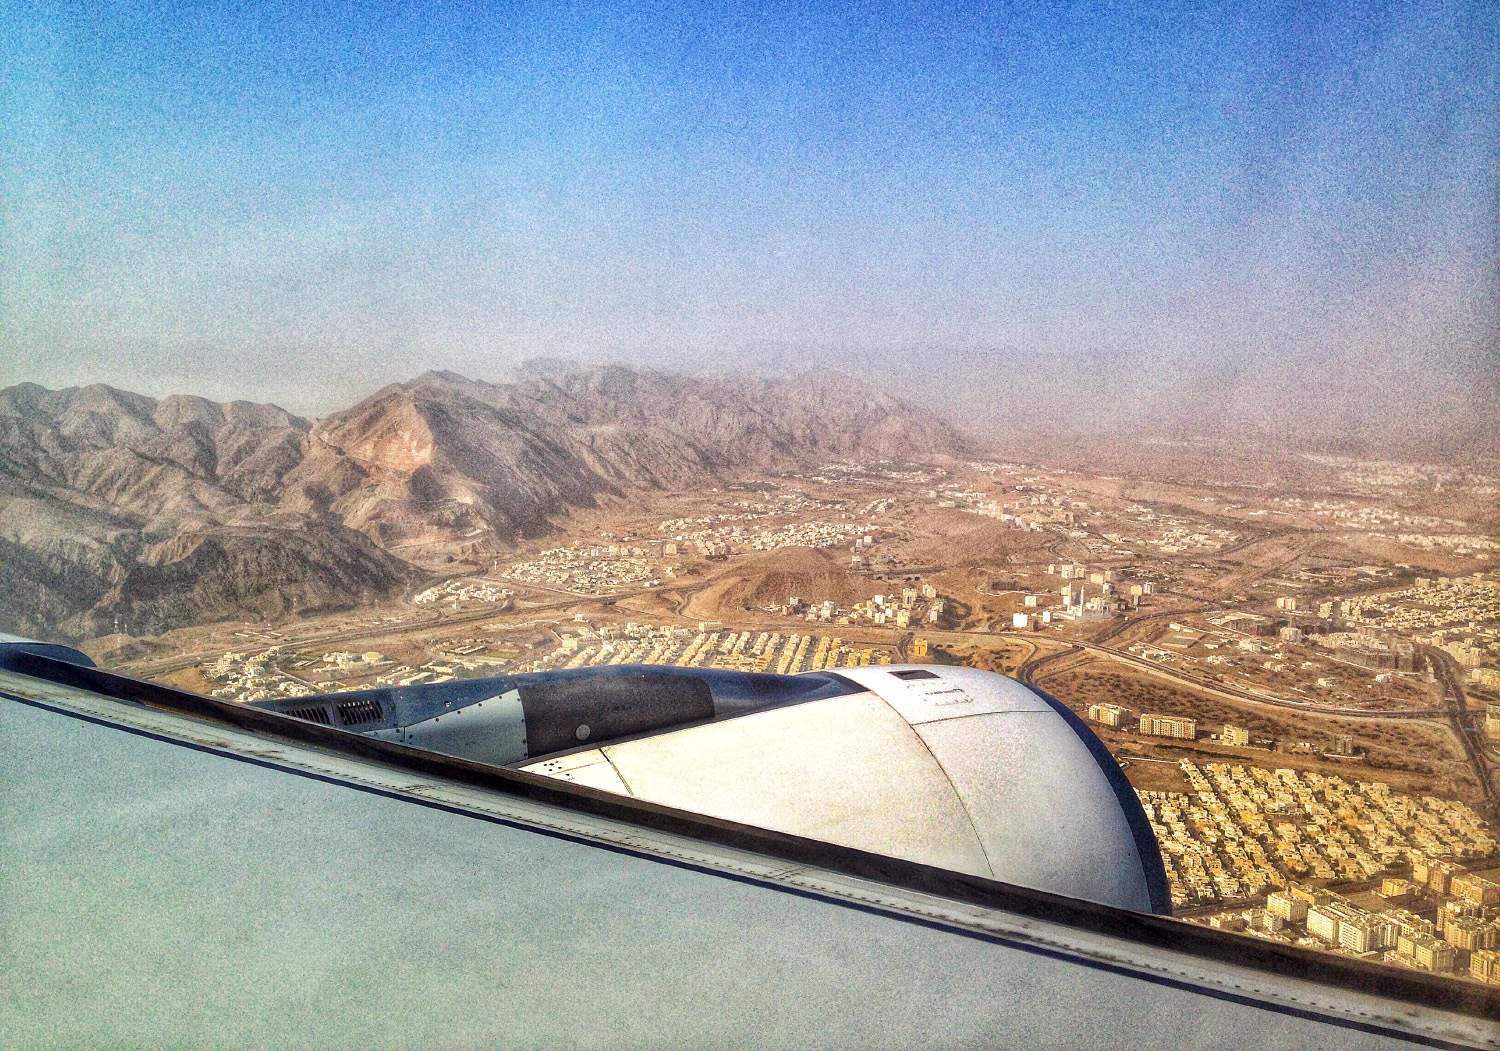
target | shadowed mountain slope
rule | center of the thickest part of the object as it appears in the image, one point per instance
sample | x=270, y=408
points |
x=116, y=508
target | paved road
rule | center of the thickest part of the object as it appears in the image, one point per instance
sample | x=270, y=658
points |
x=1464, y=723
x=1033, y=669
x=1145, y=619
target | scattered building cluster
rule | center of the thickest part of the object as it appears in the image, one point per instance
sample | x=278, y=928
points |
x=1364, y=669
x=1036, y=512
x=1363, y=516
x=465, y=591
x=1170, y=533
x=722, y=533
x=694, y=526
x=1464, y=545
x=1187, y=728
x=1459, y=615
x=251, y=677
x=1377, y=477
x=781, y=502
x=918, y=603
x=1245, y=830
x=1440, y=918
x=1085, y=594
x=812, y=534
x=711, y=646
x=276, y=673
x=884, y=472
x=722, y=540
x=588, y=570
x=1372, y=649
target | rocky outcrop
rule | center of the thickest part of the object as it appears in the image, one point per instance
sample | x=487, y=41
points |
x=119, y=509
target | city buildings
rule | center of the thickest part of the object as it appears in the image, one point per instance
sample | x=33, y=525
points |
x=710, y=647
x=1485, y=966
x=1109, y=714
x=1244, y=832
x=1237, y=736
x=1179, y=726
x=1288, y=906
x=1475, y=888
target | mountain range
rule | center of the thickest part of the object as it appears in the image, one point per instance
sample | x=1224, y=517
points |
x=124, y=512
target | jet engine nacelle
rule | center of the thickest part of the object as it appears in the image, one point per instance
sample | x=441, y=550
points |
x=955, y=767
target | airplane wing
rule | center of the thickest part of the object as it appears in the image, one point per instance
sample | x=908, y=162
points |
x=184, y=871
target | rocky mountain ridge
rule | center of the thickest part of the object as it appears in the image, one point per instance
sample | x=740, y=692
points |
x=122, y=511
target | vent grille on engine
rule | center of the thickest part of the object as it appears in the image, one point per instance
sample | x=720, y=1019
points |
x=357, y=713
x=311, y=715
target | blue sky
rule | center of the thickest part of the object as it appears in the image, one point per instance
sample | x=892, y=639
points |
x=299, y=202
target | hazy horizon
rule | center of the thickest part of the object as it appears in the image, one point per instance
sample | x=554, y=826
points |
x=1285, y=214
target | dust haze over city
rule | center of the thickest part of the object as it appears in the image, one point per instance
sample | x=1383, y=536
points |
x=1148, y=356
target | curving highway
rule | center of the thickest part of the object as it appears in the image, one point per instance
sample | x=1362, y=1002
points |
x=1031, y=670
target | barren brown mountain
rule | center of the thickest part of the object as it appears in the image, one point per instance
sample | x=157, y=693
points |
x=119, y=509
